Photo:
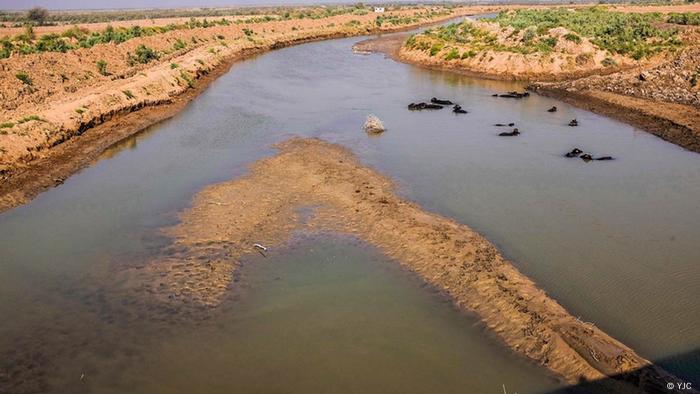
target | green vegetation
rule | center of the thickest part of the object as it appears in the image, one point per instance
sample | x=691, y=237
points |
x=102, y=67
x=435, y=49
x=128, y=94
x=37, y=15
x=143, y=55
x=24, y=77
x=452, y=54
x=76, y=37
x=30, y=118
x=572, y=37
x=468, y=54
x=6, y=125
x=179, y=44
x=187, y=78
x=688, y=18
x=628, y=34
x=174, y=66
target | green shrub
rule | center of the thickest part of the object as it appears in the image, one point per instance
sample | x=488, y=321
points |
x=468, y=54
x=573, y=38
x=687, y=18
x=128, y=94
x=187, y=78
x=452, y=54
x=24, y=77
x=174, y=66
x=30, y=118
x=143, y=55
x=102, y=67
x=179, y=44
x=6, y=125
x=435, y=49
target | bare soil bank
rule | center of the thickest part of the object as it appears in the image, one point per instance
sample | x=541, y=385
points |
x=73, y=129
x=318, y=186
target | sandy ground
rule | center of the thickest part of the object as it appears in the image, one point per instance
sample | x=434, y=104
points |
x=318, y=186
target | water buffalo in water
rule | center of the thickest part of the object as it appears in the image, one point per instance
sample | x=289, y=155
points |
x=510, y=134
x=421, y=106
x=441, y=102
x=553, y=109
x=504, y=125
x=458, y=109
x=588, y=157
x=516, y=95
x=573, y=123
x=574, y=152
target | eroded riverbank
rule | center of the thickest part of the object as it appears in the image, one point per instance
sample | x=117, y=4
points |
x=340, y=194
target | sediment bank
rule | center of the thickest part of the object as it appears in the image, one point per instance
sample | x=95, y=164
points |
x=318, y=186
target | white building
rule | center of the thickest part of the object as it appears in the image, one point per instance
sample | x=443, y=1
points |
x=379, y=9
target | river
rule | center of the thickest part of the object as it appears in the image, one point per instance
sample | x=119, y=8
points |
x=614, y=242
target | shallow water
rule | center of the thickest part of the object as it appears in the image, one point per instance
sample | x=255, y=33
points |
x=329, y=314
x=614, y=242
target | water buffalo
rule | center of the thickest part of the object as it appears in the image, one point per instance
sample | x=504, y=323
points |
x=441, y=102
x=510, y=134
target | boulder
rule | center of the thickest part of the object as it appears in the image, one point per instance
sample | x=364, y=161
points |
x=373, y=125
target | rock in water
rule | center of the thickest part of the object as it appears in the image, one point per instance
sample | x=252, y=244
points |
x=373, y=125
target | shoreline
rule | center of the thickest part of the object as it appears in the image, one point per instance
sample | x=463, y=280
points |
x=23, y=183
x=312, y=185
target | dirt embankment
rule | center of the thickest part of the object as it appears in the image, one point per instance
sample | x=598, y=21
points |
x=226, y=219
x=67, y=97
x=499, y=53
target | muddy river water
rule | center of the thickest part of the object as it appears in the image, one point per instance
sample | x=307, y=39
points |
x=616, y=242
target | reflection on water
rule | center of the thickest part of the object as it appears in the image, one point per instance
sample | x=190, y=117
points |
x=615, y=242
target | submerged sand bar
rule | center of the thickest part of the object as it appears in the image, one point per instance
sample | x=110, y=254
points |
x=226, y=219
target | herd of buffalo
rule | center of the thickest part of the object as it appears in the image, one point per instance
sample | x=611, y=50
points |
x=436, y=103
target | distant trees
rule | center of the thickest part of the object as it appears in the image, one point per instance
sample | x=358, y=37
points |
x=37, y=15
